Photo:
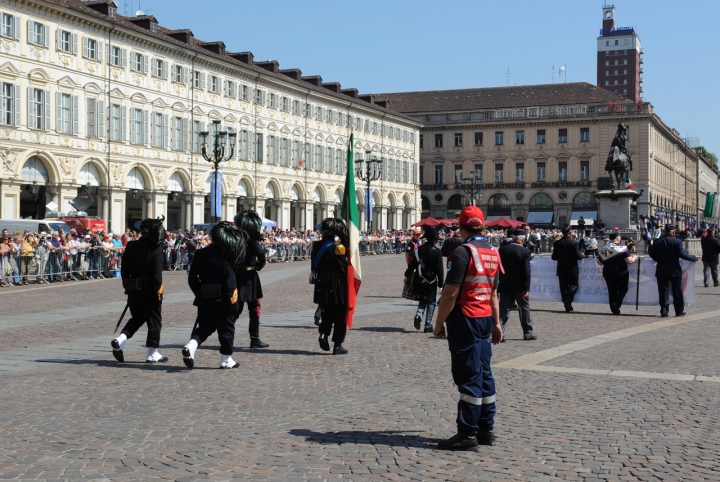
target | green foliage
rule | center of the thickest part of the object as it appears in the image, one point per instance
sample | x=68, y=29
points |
x=709, y=155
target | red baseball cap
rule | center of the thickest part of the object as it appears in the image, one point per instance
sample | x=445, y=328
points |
x=472, y=216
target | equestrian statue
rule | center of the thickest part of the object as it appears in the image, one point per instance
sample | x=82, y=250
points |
x=619, y=160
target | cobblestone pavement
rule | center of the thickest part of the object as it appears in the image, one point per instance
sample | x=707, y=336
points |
x=634, y=397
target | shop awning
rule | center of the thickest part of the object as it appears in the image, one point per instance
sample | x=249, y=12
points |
x=539, y=217
x=588, y=216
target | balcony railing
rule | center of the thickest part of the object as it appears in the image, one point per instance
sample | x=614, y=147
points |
x=550, y=112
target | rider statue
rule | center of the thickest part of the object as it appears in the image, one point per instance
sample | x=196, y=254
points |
x=619, y=160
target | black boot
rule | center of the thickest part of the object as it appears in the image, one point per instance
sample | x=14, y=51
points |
x=459, y=442
x=339, y=350
x=486, y=437
x=324, y=343
x=254, y=329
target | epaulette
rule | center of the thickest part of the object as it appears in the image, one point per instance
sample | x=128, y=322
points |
x=339, y=249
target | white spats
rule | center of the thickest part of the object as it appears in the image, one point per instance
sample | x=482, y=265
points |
x=120, y=342
x=153, y=355
x=191, y=347
x=226, y=361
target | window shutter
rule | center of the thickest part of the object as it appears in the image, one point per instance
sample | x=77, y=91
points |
x=31, y=32
x=165, y=131
x=74, y=44
x=123, y=124
x=202, y=80
x=91, y=112
x=16, y=94
x=46, y=105
x=153, y=137
x=145, y=63
x=100, y=111
x=133, y=131
x=85, y=47
x=174, y=139
x=185, y=75
x=46, y=36
x=75, y=117
x=123, y=57
x=29, y=108
x=17, y=28
x=225, y=93
x=58, y=111
x=164, y=70
x=58, y=39
x=145, y=115
x=184, y=136
x=100, y=51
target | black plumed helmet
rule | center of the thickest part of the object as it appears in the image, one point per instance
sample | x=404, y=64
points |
x=335, y=226
x=250, y=222
x=232, y=242
x=153, y=230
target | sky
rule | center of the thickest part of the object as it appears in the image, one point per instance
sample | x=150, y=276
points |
x=406, y=45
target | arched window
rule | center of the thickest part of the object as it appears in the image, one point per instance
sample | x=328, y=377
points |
x=499, y=205
x=425, y=203
x=541, y=200
x=456, y=201
x=584, y=200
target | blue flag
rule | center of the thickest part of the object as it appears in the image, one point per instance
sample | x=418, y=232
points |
x=216, y=195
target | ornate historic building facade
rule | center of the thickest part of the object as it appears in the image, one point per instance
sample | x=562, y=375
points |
x=539, y=151
x=92, y=99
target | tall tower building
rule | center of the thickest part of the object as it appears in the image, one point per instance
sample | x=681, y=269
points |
x=619, y=58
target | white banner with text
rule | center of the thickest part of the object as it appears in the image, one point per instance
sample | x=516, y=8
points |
x=544, y=284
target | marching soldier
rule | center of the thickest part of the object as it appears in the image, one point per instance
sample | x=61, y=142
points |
x=212, y=281
x=141, y=273
x=330, y=265
x=248, y=281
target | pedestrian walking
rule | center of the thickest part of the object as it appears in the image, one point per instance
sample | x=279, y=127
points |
x=330, y=266
x=248, y=280
x=667, y=252
x=212, y=281
x=710, y=250
x=141, y=274
x=469, y=312
x=427, y=275
x=614, y=259
x=566, y=252
x=514, y=285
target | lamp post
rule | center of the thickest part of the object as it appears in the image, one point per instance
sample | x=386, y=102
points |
x=368, y=175
x=218, y=153
x=471, y=185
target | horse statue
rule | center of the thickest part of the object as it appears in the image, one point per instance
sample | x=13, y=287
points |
x=619, y=160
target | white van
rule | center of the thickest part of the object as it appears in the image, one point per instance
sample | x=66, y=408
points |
x=33, y=225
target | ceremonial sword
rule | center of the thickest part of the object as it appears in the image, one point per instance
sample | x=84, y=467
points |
x=121, y=317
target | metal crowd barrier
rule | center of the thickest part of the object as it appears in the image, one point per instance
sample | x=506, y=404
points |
x=287, y=252
x=61, y=265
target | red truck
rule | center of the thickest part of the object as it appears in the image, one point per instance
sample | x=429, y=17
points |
x=80, y=221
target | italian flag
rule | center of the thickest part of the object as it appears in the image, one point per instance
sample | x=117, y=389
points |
x=350, y=215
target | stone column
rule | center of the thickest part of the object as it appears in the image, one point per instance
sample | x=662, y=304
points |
x=187, y=211
x=104, y=205
x=10, y=200
x=283, y=208
x=147, y=205
x=117, y=213
x=229, y=207
x=160, y=201
x=67, y=194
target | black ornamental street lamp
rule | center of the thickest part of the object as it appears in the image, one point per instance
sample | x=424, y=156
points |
x=471, y=185
x=370, y=174
x=218, y=152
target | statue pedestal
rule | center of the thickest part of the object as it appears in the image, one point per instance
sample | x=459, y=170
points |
x=615, y=207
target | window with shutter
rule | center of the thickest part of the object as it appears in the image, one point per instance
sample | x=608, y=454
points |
x=145, y=126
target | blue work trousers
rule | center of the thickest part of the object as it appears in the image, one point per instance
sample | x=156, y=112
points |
x=470, y=344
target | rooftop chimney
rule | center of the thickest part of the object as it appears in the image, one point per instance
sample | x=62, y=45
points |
x=334, y=86
x=350, y=92
x=244, y=57
x=269, y=65
x=295, y=74
x=184, y=35
x=313, y=79
x=215, y=47
x=367, y=98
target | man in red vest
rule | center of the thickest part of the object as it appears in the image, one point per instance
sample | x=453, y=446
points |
x=470, y=309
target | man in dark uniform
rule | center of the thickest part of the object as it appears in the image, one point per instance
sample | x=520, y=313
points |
x=412, y=244
x=615, y=259
x=190, y=247
x=450, y=244
x=469, y=307
x=566, y=252
x=667, y=252
x=141, y=273
x=330, y=265
x=514, y=283
x=428, y=274
x=710, y=250
x=248, y=281
x=212, y=281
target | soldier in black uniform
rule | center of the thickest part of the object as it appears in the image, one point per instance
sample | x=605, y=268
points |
x=330, y=265
x=141, y=273
x=248, y=281
x=428, y=275
x=212, y=281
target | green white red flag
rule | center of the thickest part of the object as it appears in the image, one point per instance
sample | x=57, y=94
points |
x=349, y=213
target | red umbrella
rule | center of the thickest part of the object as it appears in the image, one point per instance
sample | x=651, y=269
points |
x=447, y=222
x=427, y=222
x=504, y=223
